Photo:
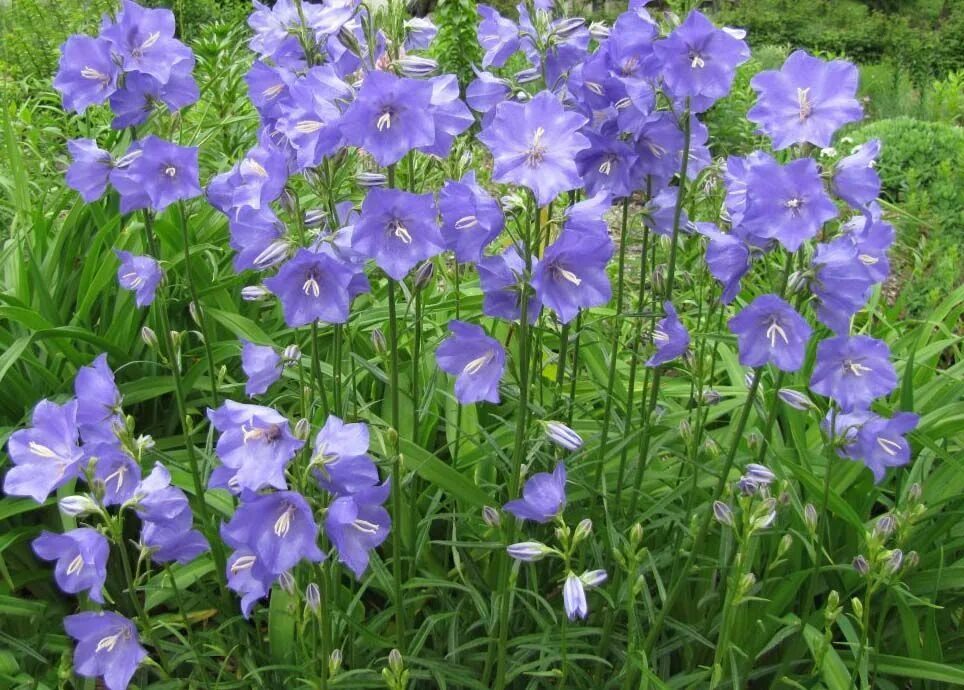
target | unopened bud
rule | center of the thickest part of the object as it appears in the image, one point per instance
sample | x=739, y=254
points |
x=747, y=583
x=798, y=282
x=315, y=218
x=723, y=513
x=636, y=534
x=414, y=66
x=593, y=578
x=885, y=526
x=195, y=311
x=785, y=543
x=583, y=530
x=423, y=276
x=334, y=662
x=894, y=560
x=149, y=337
x=563, y=436
x=395, y=662
x=255, y=293
x=313, y=597
x=711, y=397
x=302, y=429
x=795, y=399
x=685, y=431
x=911, y=559
x=378, y=341
x=761, y=474
x=273, y=254
x=77, y=506
x=599, y=31
x=754, y=440
x=858, y=608
x=369, y=180
x=711, y=448
x=567, y=27
x=288, y=200
x=291, y=354
x=528, y=551
x=287, y=582
x=914, y=493
x=491, y=517
x=810, y=517
x=861, y=565
x=527, y=75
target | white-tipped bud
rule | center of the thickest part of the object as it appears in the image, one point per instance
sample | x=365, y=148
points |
x=894, y=560
x=291, y=354
x=287, y=582
x=414, y=66
x=795, y=399
x=491, y=517
x=528, y=551
x=302, y=429
x=334, y=662
x=723, y=513
x=593, y=578
x=563, y=436
x=77, y=506
x=583, y=530
x=315, y=218
x=861, y=565
x=810, y=517
x=149, y=337
x=368, y=180
x=313, y=597
x=599, y=31
x=255, y=293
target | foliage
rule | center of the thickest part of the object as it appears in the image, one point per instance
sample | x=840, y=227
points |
x=946, y=103
x=456, y=48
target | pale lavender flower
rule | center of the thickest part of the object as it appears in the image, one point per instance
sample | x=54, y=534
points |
x=140, y=274
x=543, y=496
x=107, y=647
x=261, y=364
x=81, y=556
x=45, y=455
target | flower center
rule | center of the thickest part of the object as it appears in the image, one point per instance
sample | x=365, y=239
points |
x=76, y=565
x=594, y=87
x=655, y=149
x=134, y=280
x=118, y=474
x=283, y=524
x=660, y=336
x=606, y=167
x=308, y=126
x=774, y=330
x=477, y=364
x=537, y=151
x=310, y=287
x=794, y=204
x=254, y=433
x=384, y=121
x=630, y=65
x=868, y=260
x=94, y=75
x=253, y=166
x=697, y=61
x=170, y=171
x=566, y=275
x=466, y=222
x=855, y=368
x=273, y=91
x=804, y=102
x=108, y=643
x=888, y=446
x=397, y=229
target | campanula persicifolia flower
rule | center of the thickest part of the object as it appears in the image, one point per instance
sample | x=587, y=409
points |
x=450, y=115
x=142, y=40
x=873, y=239
x=255, y=445
x=670, y=337
x=115, y=472
x=87, y=73
x=608, y=165
x=140, y=274
x=501, y=279
x=853, y=371
x=842, y=283
x=46, y=455
x=277, y=528
x=855, y=180
x=107, y=647
x=419, y=33
x=534, y=145
x=341, y=458
x=311, y=118
x=358, y=523
x=248, y=577
x=543, y=496
x=658, y=141
x=572, y=273
x=770, y=330
x=728, y=258
x=398, y=230
x=261, y=364
x=81, y=556
x=98, y=402
x=498, y=36
x=806, y=100
x=133, y=103
x=313, y=286
x=257, y=235
x=485, y=92
x=389, y=117
x=699, y=61
x=166, y=519
x=475, y=359
x=471, y=218
x=786, y=202
x=89, y=171
x=574, y=597
x=881, y=443
x=161, y=174
x=255, y=181
x=171, y=542
x=660, y=212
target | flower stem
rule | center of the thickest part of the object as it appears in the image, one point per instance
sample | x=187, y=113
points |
x=396, y=469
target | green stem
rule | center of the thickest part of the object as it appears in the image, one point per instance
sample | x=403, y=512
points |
x=316, y=369
x=325, y=626
x=396, y=469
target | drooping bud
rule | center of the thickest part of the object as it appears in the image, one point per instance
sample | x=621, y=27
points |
x=287, y=582
x=255, y=293
x=795, y=399
x=291, y=354
x=563, y=436
x=583, y=530
x=491, y=517
x=313, y=597
x=861, y=565
x=414, y=66
x=528, y=551
x=423, y=276
x=527, y=75
x=599, y=31
x=302, y=429
x=593, y=578
x=810, y=517
x=315, y=218
x=195, y=311
x=567, y=27
x=723, y=513
x=370, y=180
x=77, y=506
x=149, y=337
x=378, y=341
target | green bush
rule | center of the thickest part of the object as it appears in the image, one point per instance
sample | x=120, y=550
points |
x=946, y=99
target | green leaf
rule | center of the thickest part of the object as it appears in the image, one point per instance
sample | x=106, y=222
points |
x=832, y=668
x=444, y=476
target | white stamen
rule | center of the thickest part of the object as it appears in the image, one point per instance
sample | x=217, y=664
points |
x=365, y=526
x=243, y=563
x=119, y=475
x=629, y=66
x=283, y=523
x=401, y=232
x=656, y=149
x=794, y=203
x=697, y=62
x=384, y=121
x=888, y=446
x=466, y=222
x=622, y=103
x=107, y=643
x=251, y=434
x=855, y=368
x=273, y=91
x=660, y=336
x=568, y=275
x=606, y=167
x=311, y=287
x=595, y=88
x=151, y=40
x=76, y=565
x=536, y=151
x=170, y=171
x=774, y=330
x=476, y=365
x=868, y=260
x=803, y=100
x=42, y=450
x=94, y=75
x=134, y=280
x=250, y=165
x=308, y=126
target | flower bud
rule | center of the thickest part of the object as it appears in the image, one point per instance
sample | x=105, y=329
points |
x=369, y=180
x=563, y=436
x=143, y=443
x=77, y=506
x=748, y=379
x=583, y=530
x=785, y=543
x=195, y=311
x=423, y=276
x=255, y=293
x=636, y=534
x=893, y=561
x=288, y=200
x=287, y=582
x=395, y=662
x=291, y=354
x=795, y=399
x=858, y=608
x=885, y=526
x=415, y=66
x=599, y=31
x=491, y=517
x=149, y=337
x=334, y=662
x=759, y=473
x=593, y=578
x=711, y=448
x=798, y=282
x=747, y=583
x=313, y=597
x=528, y=551
x=911, y=559
x=747, y=486
x=273, y=254
x=754, y=440
x=378, y=341
x=810, y=517
x=567, y=27
x=914, y=493
x=685, y=431
x=527, y=75
x=312, y=177
x=723, y=513
x=302, y=429
x=861, y=565
x=711, y=397
x=315, y=218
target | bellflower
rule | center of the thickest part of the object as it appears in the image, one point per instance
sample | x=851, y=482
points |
x=161, y=174
x=389, y=117
x=262, y=365
x=311, y=121
x=786, y=202
x=728, y=258
x=255, y=181
x=133, y=102
x=608, y=165
x=256, y=235
x=485, y=92
x=450, y=115
x=475, y=359
x=853, y=371
x=341, y=457
x=140, y=274
x=574, y=597
x=770, y=330
x=670, y=337
x=534, y=145
x=398, y=230
x=81, y=556
x=471, y=218
x=115, y=471
x=881, y=443
x=806, y=100
x=419, y=33
x=277, y=528
x=661, y=212
x=658, y=142
x=171, y=543
x=248, y=577
x=269, y=89
x=87, y=73
x=842, y=283
x=358, y=523
x=313, y=286
x=45, y=455
x=855, y=180
x=572, y=273
x=699, y=61
x=98, y=402
x=543, y=496
x=166, y=519
x=873, y=239
x=107, y=647
x=255, y=446
x=501, y=279
x=498, y=36
x=142, y=40
x=89, y=170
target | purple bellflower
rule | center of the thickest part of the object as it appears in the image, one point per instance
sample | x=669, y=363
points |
x=543, y=496
x=257, y=235
x=770, y=330
x=855, y=180
x=262, y=365
x=842, y=283
x=89, y=171
x=389, y=117
x=166, y=519
x=572, y=273
x=255, y=181
x=699, y=61
x=471, y=218
x=853, y=371
x=786, y=202
x=534, y=145
x=728, y=258
x=46, y=455
x=450, y=115
x=670, y=337
x=608, y=165
x=136, y=99
x=806, y=100
x=140, y=274
x=574, y=597
x=398, y=230
x=498, y=36
x=159, y=175
x=313, y=286
x=419, y=33
x=501, y=279
x=341, y=458
x=142, y=40
x=81, y=556
x=248, y=577
x=116, y=473
x=881, y=443
x=255, y=446
x=485, y=92
x=660, y=212
x=87, y=74
x=358, y=523
x=107, y=647
x=98, y=402
x=475, y=359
